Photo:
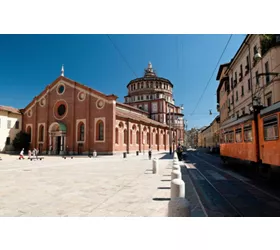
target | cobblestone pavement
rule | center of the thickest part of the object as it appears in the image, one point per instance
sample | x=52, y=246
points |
x=104, y=186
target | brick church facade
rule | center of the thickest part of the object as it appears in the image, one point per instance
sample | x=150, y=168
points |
x=69, y=117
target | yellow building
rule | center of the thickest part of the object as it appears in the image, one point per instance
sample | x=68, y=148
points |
x=209, y=136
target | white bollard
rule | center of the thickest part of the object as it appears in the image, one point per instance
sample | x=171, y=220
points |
x=175, y=156
x=176, y=174
x=94, y=154
x=179, y=207
x=177, y=188
x=175, y=160
x=176, y=166
x=155, y=166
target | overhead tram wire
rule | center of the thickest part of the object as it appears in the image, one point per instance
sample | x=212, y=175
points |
x=117, y=49
x=211, y=75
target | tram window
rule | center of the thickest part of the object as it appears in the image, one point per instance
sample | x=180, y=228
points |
x=229, y=136
x=248, y=135
x=222, y=136
x=238, y=135
x=270, y=128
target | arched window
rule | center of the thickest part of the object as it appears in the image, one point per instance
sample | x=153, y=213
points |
x=117, y=136
x=29, y=132
x=41, y=133
x=137, y=137
x=130, y=139
x=125, y=136
x=81, y=130
x=100, y=131
x=148, y=138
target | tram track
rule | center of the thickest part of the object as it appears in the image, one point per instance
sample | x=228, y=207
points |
x=251, y=182
x=225, y=207
x=224, y=194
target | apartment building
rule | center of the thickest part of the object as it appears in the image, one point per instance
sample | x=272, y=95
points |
x=250, y=77
x=209, y=136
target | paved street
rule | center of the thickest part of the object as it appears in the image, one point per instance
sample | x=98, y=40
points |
x=221, y=191
x=104, y=186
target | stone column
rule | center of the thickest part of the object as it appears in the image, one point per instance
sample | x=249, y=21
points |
x=64, y=144
x=54, y=144
x=61, y=145
x=50, y=144
x=140, y=139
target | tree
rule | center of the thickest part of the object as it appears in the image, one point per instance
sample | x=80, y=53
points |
x=22, y=140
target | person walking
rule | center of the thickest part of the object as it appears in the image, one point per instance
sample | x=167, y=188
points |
x=179, y=152
x=21, y=154
x=150, y=153
x=29, y=154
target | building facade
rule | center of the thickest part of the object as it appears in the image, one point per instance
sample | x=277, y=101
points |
x=192, y=138
x=250, y=78
x=68, y=117
x=208, y=136
x=10, y=125
x=154, y=95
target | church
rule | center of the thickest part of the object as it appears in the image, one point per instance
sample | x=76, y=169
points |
x=68, y=117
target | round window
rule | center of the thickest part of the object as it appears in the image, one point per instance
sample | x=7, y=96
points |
x=61, y=109
x=60, y=89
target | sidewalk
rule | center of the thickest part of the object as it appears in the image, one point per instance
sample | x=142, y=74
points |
x=112, y=186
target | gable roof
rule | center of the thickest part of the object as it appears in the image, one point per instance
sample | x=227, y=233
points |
x=72, y=83
x=10, y=109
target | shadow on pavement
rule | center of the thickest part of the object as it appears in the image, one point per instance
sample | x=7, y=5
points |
x=167, y=156
x=163, y=187
x=161, y=199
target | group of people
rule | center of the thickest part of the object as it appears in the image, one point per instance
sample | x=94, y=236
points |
x=35, y=153
x=179, y=151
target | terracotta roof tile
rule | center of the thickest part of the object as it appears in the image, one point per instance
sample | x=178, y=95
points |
x=137, y=117
x=10, y=109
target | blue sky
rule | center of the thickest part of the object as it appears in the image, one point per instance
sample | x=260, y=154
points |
x=28, y=63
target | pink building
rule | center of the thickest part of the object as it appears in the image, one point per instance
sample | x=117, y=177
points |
x=250, y=77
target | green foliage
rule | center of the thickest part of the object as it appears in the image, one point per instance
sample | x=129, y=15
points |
x=267, y=42
x=21, y=141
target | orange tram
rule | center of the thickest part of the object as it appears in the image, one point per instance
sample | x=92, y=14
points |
x=255, y=139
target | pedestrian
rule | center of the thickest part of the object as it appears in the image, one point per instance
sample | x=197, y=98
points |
x=21, y=154
x=34, y=152
x=29, y=154
x=37, y=153
x=179, y=152
x=150, y=153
